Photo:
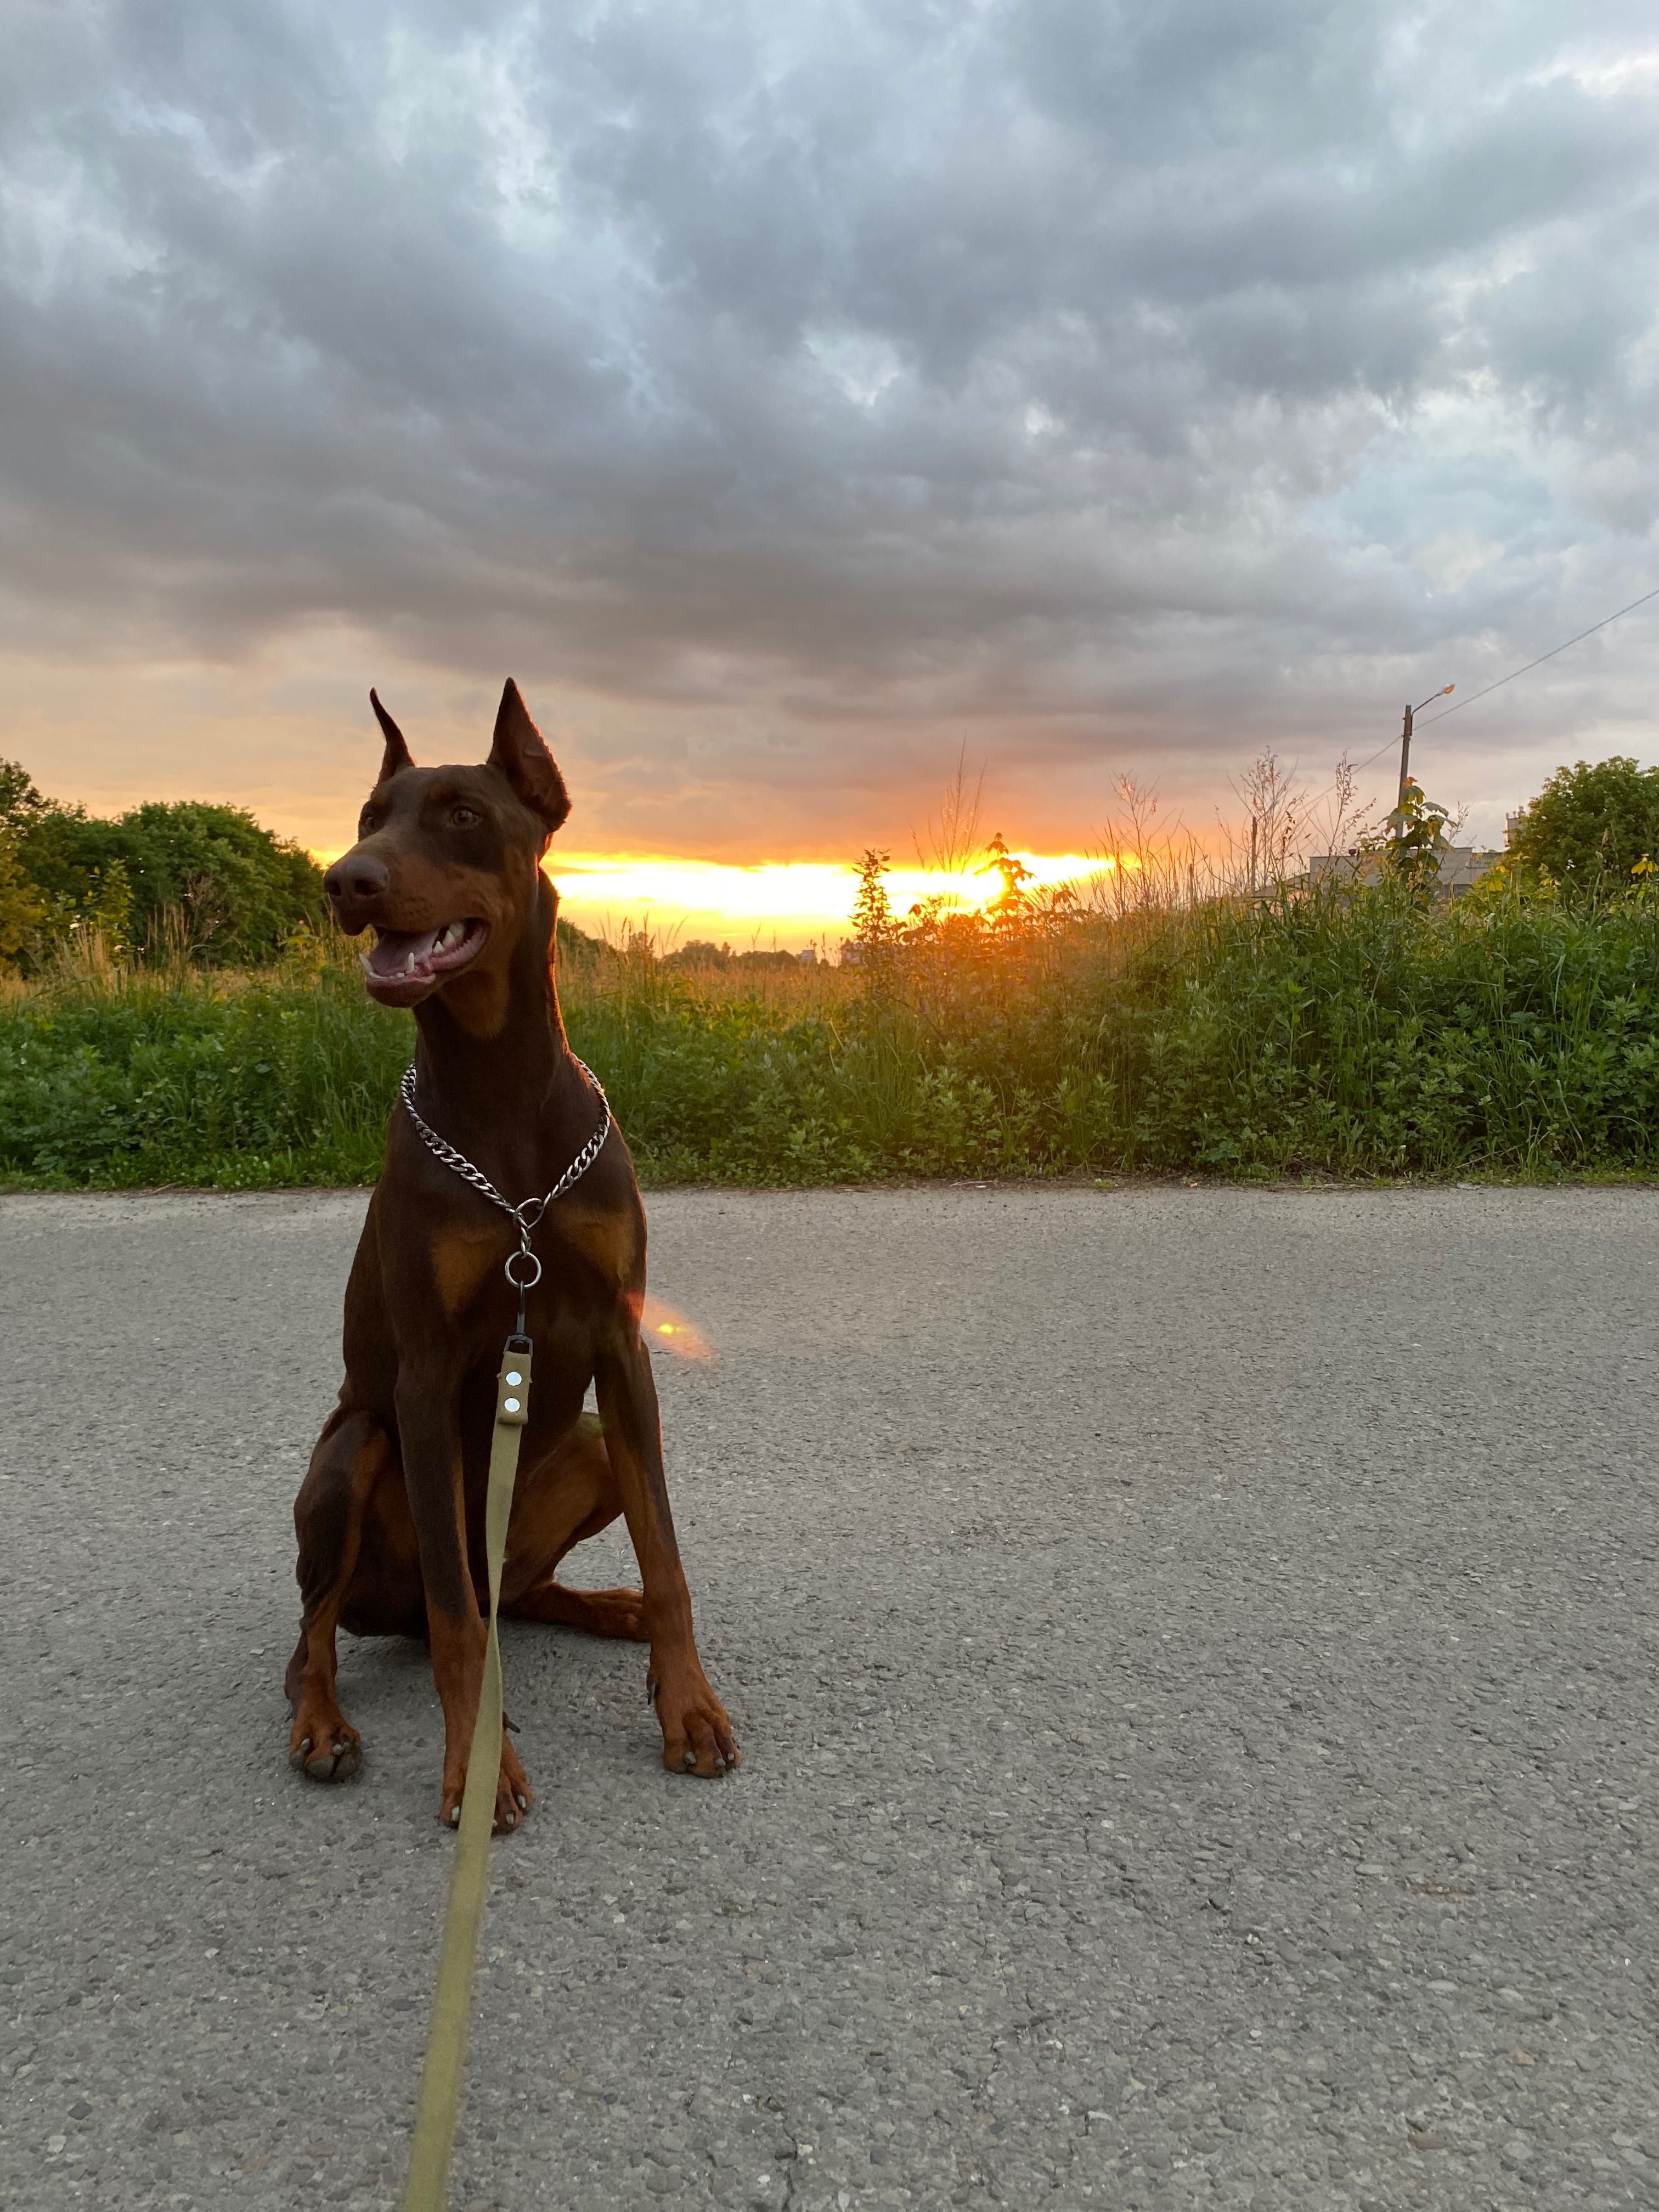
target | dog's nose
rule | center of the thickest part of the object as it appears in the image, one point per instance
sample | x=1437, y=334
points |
x=358, y=876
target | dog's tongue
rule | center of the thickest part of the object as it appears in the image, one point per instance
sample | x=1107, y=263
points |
x=391, y=956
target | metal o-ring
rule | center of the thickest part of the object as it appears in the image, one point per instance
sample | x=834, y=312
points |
x=521, y=1281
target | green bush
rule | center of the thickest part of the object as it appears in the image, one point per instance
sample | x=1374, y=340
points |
x=1351, y=1033
x=1591, y=825
x=232, y=892
x=183, y=878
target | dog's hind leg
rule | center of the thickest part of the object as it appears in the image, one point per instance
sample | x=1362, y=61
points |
x=601, y=1612
x=570, y=1497
x=351, y=1454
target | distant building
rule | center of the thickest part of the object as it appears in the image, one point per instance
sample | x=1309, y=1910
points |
x=1461, y=867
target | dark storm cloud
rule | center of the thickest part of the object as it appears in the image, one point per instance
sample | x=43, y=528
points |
x=1061, y=364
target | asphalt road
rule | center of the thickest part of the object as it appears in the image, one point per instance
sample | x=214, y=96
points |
x=1194, y=1652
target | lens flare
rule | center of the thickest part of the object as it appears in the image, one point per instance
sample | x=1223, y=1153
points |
x=667, y=1330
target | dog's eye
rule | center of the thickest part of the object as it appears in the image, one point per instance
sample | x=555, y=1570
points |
x=462, y=818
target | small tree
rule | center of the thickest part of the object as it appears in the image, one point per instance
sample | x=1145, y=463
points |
x=1420, y=837
x=875, y=928
x=22, y=805
x=1590, y=824
x=1011, y=902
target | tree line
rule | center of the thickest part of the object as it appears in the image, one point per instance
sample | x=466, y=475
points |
x=207, y=883
x=179, y=879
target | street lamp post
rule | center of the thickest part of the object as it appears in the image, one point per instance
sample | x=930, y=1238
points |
x=1406, y=750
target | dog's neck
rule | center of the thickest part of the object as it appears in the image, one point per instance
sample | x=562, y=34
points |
x=514, y=1093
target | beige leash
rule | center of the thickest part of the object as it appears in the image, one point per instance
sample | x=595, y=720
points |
x=426, y=2189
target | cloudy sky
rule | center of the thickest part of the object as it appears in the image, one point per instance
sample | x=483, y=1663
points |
x=790, y=395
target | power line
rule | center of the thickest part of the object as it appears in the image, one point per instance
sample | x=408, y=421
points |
x=1359, y=768
x=1543, y=657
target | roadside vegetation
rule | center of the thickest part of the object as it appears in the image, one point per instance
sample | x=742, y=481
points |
x=160, y=883
x=1180, y=1014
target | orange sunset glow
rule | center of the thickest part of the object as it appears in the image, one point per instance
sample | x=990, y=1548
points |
x=789, y=904
x=794, y=903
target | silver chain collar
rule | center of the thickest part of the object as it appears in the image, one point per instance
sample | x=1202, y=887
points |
x=526, y=1216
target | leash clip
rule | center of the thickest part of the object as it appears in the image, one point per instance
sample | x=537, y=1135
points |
x=513, y=1390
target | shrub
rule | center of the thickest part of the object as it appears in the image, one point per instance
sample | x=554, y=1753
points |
x=1350, y=1032
x=1590, y=824
x=233, y=891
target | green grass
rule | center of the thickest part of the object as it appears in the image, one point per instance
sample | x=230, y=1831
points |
x=237, y=1083
x=1352, y=1036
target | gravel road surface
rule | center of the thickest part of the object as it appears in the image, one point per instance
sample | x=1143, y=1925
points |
x=1194, y=1652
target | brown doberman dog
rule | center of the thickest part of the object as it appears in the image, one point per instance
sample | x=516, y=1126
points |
x=447, y=871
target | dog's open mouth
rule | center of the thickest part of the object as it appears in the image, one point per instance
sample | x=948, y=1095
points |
x=406, y=963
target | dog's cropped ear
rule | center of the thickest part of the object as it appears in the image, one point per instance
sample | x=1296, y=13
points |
x=519, y=751
x=396, y=754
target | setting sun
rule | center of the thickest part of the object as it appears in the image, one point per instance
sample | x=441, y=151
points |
x=793, y=903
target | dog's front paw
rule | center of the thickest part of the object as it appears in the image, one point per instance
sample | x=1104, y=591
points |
x=322, y=1743
x=513, y=1795
x=696, y=1734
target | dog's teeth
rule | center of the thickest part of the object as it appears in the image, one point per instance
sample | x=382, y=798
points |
x=409, y=961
